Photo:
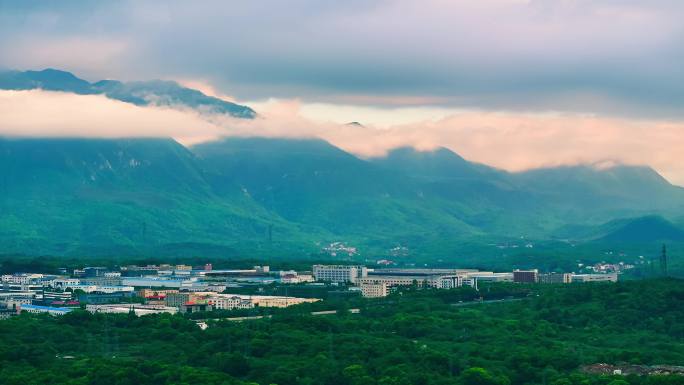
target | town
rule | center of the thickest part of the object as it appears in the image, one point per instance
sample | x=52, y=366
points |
x=166, y=288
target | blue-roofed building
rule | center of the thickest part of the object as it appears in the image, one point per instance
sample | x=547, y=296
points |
x=45, y=309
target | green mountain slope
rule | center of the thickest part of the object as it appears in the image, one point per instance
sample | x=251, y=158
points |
x=641, y=230
x=317, y=184
x=136, y=195
x=62, y=195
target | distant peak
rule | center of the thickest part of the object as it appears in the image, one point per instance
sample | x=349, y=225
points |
x=355, y=124
x=142, y=93
x=606, y=164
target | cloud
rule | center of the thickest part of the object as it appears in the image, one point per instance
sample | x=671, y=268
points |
x=605, y=56
x=38, y=113
x=511, y=141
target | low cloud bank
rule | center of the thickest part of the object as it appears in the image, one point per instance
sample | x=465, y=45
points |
x=511, y=141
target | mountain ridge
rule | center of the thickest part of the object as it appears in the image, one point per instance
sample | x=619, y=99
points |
x=141, y=93
x=142, y=192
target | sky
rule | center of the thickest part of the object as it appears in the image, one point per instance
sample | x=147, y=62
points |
x=512, y=83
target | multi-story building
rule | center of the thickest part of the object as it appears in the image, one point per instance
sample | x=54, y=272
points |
x=488, y=276
x=102, y=298
x=374, y=290
x=555, y=278
x=63, y=283
x=146, y=293
x=229, y=302
x=180, y=298
x=15, y=303
x=373, y=285
x=339, y=273
x=22, y=279
x=613, y=277
x=526, y=276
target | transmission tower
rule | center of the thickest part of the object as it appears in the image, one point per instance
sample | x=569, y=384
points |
x=663, y=261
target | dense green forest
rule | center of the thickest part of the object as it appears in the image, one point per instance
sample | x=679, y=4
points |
x=539, y=335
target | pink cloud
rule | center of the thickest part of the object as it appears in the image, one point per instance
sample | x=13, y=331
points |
x=511, y=141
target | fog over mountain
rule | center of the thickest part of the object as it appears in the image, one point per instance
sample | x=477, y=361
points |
x=509, y=141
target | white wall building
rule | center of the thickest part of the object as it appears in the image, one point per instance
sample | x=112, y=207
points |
x=613, y=277
x=339, y=273
x=229, y=302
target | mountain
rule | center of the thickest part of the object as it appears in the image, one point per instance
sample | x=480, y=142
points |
x=142, y=93
x=269, y=196
x=604, y=188
x=71, y=195
x=316, y=184
x=646, y=229
x=440, y=163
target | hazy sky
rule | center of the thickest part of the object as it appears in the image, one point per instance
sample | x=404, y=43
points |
x=393, y=64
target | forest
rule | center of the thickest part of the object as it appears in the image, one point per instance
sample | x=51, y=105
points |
x=538, y=334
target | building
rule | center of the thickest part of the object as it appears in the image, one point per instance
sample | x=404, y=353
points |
x=230, y=302
x=107, y=279
x=275, y=301
x=63, y=283
x=488, y=276
x=102, y=289
x=555, y=278
x=91, y=272
x=147, y=293
x=421, y=272
x=339, y=273
x=102, y=298
x=136, y=309
x=21, y=278
x=526, y=276
x=381, y=285
x=192, y=307
x=294, y=278
x=180, y=298
x=15, y=303
x=157, y=282
x=613, y=277
x=374, y=290
x=45, y=309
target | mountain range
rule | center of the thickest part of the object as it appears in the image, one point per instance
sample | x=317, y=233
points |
x=270, y=195
x=141, y=93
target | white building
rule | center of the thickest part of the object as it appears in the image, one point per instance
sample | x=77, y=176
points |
x=488, y=276
x=101, y=289
x=21, y=279
x=229, y=302
x=613, y=277
x=63, y=283
x=158, y=282
x=339, y=273
x=380, y=285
